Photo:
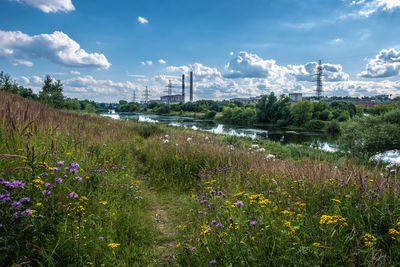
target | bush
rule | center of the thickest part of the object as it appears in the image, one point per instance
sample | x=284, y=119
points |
x=315, y=125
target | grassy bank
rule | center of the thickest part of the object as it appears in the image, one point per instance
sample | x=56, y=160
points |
x=84, y=190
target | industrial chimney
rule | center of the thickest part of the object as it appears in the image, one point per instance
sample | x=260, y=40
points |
x=191, y=86
x=183, y=88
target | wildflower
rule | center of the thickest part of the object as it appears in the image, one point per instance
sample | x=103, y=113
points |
x=61, y=162
x=253, y=223
x=212, y=262
x=238, y=204
x=73, y=195
x=369, y=240
x=336, y=200
x=114, y=245
x=46, y=192
x=326, y=219
x=178, y=245
x=189, y=139
x=25, y=199
x=101, y=238
x=393, y=232
x=316, y=244
x=78, y=178
x=103, y=202
x=48, y=186
x=39, y=204
x=16, y=205
x=219, y=225
x=213, y=222
x=27, y=212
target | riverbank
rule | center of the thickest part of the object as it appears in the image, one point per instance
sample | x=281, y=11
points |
x=84, y=190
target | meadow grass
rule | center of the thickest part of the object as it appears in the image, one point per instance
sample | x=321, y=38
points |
x=84, y=190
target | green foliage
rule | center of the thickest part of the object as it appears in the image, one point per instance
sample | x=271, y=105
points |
x=238, y=116
x=162, y=109
x=314, y=125
x=372, y=134
x=210, y=114
x=381, y=108
x=270, y=109
x=51, y=93
x=301, y=112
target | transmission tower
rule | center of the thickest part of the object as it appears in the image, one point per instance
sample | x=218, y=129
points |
x=134, y=96
x=319, y=75
x=146, y=95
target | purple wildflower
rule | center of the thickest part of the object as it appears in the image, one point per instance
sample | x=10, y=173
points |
x=78, y=178
x=101, y=238
x=55, y=169
x=212, y=191
x=212, y=262
x=193, y=248
x=58, y=180
x=253, y=223
x=213, y=222
x=27, y=212
x=239, y=203
x=73, y=195
x=25, y=199
x=48, y=185
x=16, y=205
x=219, y=225
x=46, y=192
x=99, y=170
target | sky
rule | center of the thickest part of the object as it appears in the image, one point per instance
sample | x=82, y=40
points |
x=106, y=50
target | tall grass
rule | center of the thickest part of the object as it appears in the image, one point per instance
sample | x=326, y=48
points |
x=88, y=180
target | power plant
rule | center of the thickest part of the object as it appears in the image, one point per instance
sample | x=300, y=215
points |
x=176, y=99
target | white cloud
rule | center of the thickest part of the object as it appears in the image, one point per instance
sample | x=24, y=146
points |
x=137, y=75
x=246, y=65
x=74, y=72
x=331, y=72
x=49, y=6
x=335, y=41
x=142, y=20
x=385, y=64
x=231, y=53
x=162, y=61
x=87, y=87
x=24, y=80
x=57, y=47
x=199, y=71
x=148, y=63
x=369, y=7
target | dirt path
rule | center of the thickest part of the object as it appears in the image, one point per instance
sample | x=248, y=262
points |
x=166, y=240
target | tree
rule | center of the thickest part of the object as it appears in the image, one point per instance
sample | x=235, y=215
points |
x=51, y=93
x=301, y=112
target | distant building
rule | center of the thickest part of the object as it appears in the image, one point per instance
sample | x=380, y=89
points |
x=245, y=100
x=172, y=99
x=295, y=97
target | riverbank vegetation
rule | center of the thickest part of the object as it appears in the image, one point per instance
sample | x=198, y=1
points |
x=77, y=189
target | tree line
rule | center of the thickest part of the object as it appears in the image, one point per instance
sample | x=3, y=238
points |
x=51, y=94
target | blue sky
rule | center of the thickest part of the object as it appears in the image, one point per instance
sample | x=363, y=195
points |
x=104, y=50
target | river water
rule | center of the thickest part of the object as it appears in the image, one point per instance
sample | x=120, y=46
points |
x=314, y=139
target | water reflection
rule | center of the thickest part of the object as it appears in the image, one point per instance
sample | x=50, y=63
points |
x=313, y=139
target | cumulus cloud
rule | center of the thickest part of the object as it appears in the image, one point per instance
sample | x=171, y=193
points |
x=385, y=64
x=246, y=65
x=162, y=61
x=49, y=6
x=74, y=72
x=88, y=87
x=24, y=80
x=59, y=48
x=199, y=71
x=142, y=20
x=306, y=72
x=369, y=7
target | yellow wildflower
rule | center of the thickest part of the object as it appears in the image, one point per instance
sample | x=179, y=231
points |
x=103, y=202
x=316, y=244
x=39, y=204
x=337, y=201
x=114, y=245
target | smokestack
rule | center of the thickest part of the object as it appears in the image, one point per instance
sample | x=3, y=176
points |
x=183, y=88
x=191, y=86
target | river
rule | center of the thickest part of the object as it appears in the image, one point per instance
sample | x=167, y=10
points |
x=315, y=139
